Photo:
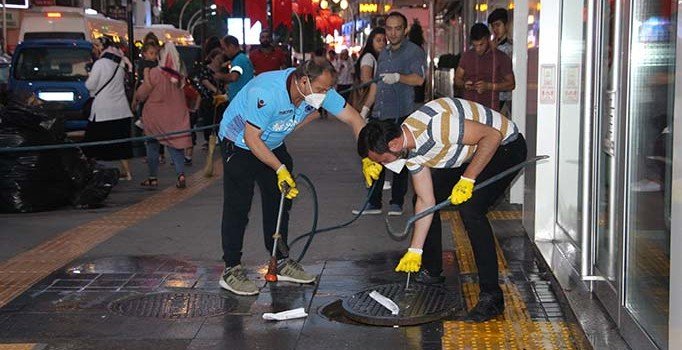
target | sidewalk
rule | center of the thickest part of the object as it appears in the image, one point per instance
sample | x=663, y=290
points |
x=142, y=272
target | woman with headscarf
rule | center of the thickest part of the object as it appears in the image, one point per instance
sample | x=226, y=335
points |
x=110, y=115
x=165, y=111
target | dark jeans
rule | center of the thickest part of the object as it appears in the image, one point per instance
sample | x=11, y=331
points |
x=398, y=186
x=241, y=169
x=473, y=213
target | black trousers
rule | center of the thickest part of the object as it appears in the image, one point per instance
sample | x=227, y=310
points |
x=473, y=213
x=398, y=186
x=241, y=169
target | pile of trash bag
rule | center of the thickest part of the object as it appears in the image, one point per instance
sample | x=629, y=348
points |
x=43, y=180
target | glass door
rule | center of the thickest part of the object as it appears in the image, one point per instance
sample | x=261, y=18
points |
x=651, y=76
x=571, y=108
x=610, y=117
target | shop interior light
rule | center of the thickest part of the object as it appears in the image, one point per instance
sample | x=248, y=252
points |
x=54, y=15
x=213, y=6
x=344, y=4
x=335, y=1
x=324, y=4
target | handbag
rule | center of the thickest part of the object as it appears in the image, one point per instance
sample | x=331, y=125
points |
x=192, y=96
x=87, y=107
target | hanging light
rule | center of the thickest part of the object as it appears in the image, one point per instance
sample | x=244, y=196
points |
x=335, y=1
x=324, y=4
x=344, y=4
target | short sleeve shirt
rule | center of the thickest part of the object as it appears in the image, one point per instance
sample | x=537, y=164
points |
x=265, y=62
x=369, y=60
x=397, y=100
x=491, y=67
x=243, y=66
x=265, y=104
x=438, y=130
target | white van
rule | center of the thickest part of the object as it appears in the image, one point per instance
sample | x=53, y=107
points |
x=56, y=22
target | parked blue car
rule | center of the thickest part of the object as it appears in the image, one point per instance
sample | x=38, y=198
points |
x=54, y=70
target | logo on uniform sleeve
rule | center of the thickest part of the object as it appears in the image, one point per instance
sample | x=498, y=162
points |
x=308, y=109
x=261, y=103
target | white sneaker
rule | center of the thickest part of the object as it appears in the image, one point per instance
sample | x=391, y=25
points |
x=395, y=210
x=139, y=124
x=646, y=185
x=369, y=210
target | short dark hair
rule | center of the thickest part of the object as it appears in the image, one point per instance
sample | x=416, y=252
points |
x=376, y=135
x=398, y=14
x=314, y=68
x=230, y=40
x=498, y=15
x=479, y=31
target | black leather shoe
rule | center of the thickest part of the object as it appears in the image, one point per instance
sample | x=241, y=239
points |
x=489, y=305
x=425, y=277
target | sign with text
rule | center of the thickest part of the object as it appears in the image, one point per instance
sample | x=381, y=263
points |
x=12, y=19
x=548, y=84
x=570, y=91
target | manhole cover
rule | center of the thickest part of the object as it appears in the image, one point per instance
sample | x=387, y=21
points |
x=174, y=305
x=420, y=304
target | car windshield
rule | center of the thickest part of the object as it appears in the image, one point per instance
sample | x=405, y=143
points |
x=53, y=64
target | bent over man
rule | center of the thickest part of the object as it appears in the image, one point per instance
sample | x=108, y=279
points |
x=252, y=135
x=448, y=145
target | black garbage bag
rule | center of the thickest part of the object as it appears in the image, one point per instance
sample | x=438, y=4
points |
x=97, y=189
x=30, y=181
x=43, y=180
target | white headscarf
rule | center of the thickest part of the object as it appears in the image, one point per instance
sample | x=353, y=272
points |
x=169, y=62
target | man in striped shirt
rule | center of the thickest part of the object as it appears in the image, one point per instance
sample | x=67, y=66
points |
x=448, y=145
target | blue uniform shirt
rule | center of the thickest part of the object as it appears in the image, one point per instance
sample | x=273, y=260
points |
x=243, y=66
x=265, y=103
x=397, y=100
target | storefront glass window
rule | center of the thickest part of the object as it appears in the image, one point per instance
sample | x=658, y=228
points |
x=649, y=154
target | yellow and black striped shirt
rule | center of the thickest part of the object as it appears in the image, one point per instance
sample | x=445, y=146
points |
x=438, y=129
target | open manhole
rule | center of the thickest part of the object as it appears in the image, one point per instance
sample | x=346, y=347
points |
x=420, y=304
x=174, y=305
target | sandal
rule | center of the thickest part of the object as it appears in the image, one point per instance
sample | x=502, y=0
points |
x=181, y=181
x=150, y=182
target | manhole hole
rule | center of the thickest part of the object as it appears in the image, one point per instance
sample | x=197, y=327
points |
x=420, y=304
x=174, y=305
x=334, y=312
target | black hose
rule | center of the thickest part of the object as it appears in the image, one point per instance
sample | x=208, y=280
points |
x=314, y=231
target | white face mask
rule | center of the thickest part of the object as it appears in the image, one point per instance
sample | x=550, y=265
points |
x=314, y=99
x=396, y=166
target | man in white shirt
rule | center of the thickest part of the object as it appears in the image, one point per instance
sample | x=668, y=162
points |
x=448, y=145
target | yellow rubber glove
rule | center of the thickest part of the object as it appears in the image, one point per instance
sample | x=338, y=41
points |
x=283, y=176
x=411, y=261
x=371, y=170
x=462, y=190
x=219, y=99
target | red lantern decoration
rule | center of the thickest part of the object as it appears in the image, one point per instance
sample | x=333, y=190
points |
x=281, y=13
x=257, y=11
x=226, y=4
